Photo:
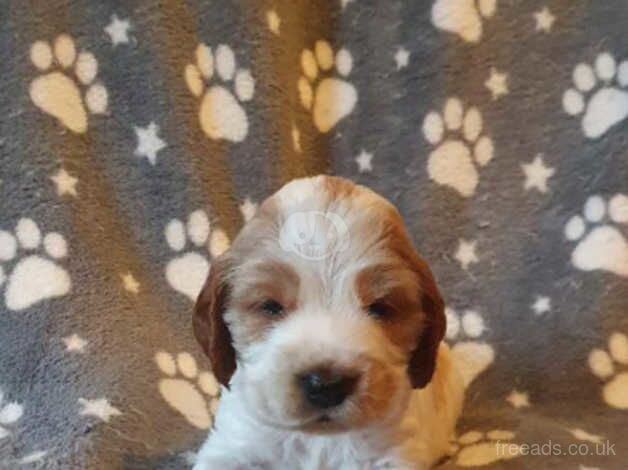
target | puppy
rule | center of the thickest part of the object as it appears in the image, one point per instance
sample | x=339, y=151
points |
x=324, y=327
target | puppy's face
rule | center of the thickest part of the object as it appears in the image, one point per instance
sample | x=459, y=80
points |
x=325, y=309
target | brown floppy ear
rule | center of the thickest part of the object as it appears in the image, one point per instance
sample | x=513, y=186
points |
x=209, y=325
x=423, y=360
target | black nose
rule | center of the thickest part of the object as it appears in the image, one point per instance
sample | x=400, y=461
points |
x=325, y=388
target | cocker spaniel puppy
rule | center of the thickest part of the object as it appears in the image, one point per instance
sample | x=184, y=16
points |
x=324, y=327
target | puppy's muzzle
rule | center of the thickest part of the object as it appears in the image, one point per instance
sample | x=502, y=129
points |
x=326, y=388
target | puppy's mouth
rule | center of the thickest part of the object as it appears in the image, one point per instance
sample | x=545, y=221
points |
x=325, y=424
x=322, y=424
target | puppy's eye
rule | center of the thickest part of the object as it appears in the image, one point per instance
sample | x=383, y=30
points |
x=272, y=307
x=379, y=309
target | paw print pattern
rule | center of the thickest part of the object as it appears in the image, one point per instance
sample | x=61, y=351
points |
x=476, y=449
x=10, y=413
x=187, y=272
x=463, y=17
x=221, y=114
x=58, y=94
x=191, y=392
x=602, y=247
x=33, y=277
x=455, y=159
x=603, y=365
x=473, y=355
x=329, y=98
x=599, y=95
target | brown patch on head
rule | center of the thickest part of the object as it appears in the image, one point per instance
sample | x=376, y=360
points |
x=391, y=289
x=257, y=283
x=337, y=188
x=406, y=284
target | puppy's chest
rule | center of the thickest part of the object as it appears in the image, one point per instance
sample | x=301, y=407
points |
x=326, y=453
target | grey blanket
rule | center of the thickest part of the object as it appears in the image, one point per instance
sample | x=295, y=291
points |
x=137, y=137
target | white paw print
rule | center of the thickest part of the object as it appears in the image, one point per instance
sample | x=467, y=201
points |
x=221, y=114
x=476, y=449
x=472, y=355
x=463, y=17
x=615, y=391
x=10, y=413
x=602, y=247
x=456, y=157
x=330, y=99
x=59, y=95
x=187, y=272
x=191, y=392
x=606, y=104
x=33, y=277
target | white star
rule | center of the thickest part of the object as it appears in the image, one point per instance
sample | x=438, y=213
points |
x=65, y=183
x=537, y=174
x=118, y=30
x=364, y=161
x=99, y=408
x=541, y=305
x=544, y=20
x=148, y=142
x=74, y=343
x=497, y=83
x=273, y=20
x=518, y=399
x=248, y=209
x=401, y=57
x=466, y=253
x=130, y=283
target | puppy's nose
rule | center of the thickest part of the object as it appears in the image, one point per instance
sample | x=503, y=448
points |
x=325, y=388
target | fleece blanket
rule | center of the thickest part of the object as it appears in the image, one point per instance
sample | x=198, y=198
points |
x=137, y=137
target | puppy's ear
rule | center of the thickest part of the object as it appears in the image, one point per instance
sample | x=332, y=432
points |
x=423, y=360
x=209, y=325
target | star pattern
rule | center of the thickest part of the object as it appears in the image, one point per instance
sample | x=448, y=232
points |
x=536, y=174
x=402, y=57
x=497, y=83
x=65, y=183
x=466, y=254
x=74, y=343
x=148, y=142
x=544, y=20
x=518, y=399
x=100, y=408
x=118, y=30
x=541, y=305
x=364, y=160
x=130, y=283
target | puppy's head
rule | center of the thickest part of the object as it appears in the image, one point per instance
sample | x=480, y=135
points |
x=325, y=309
